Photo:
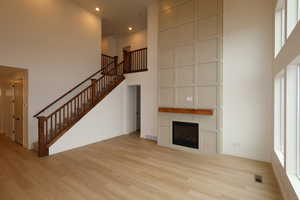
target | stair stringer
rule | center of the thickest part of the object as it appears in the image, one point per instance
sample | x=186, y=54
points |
x=103, y=122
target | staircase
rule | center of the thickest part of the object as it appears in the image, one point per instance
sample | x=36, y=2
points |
x=63, y=113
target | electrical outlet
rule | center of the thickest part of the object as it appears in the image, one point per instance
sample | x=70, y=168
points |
x=190, y=98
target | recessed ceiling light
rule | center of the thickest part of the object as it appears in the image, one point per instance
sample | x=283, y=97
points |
x=98, y=9
x=130, y=28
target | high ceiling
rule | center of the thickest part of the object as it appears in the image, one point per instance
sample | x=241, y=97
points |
x=118, y=15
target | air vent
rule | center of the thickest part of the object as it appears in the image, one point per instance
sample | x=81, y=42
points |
x=258, y=178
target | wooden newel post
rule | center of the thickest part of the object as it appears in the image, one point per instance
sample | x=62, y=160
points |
x=43, y=150
x=116, y=65
x=93, y=90
x=129, y=62
x=126, y=58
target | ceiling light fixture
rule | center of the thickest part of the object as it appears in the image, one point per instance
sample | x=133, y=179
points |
x=130, y=28
x=98, y=9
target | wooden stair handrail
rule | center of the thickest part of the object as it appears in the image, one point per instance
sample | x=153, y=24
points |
x=135, y=61
x=107, y=56
x=68, y=102
x=95, y=80
x=54, y=125
x=71, y=90
x=139, y=49
x=58, y=122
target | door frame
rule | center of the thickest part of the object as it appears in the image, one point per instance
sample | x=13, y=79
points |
x=139, y=102
x=23, y=75
x=136, y=86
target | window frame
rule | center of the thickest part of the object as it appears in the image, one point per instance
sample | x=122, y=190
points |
x=282, y=116
x=298, y=125
x=283, y=26
x=279, y=136
x=280, y=28
x=292, y=15
x=298, y=13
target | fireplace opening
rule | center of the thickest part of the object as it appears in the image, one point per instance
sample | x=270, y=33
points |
x=186, y=134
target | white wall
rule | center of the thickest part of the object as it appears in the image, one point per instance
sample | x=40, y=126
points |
x=110, y=117
x=58, y=43
x=135, y=40
x=109, y=46
x=113, y=45
x=247, y=78
x=147, y=80
x=104, y=121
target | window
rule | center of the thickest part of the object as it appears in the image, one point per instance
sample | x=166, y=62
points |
x=279, y=136
x=287, y=122
x=287, y=15
x=279, y=29
x=298, y=155
x=282, y=13
x=298, y=5
x=298, y=125
x=292, y=15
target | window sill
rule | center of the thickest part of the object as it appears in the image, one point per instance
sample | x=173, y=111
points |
x=295, y=182
x=280, y=157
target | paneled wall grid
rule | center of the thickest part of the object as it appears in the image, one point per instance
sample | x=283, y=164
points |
x=190, y=67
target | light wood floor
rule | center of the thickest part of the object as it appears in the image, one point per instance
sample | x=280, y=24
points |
x=129, y=168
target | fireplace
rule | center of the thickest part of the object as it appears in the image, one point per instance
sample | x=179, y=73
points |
x=186, y=134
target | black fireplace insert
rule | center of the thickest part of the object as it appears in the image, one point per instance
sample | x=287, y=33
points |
x=186, y=134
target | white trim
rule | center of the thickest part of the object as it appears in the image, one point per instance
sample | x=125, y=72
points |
x=280, y=157
x=298, y=125
x=295, y=182
x=280, y=4
x=283, y=180
x=298, y=13
x=279, y=116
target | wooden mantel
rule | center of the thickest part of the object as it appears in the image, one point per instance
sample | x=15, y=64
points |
x=187, y=111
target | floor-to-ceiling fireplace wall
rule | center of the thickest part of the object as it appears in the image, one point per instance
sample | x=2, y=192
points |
x=190, y=70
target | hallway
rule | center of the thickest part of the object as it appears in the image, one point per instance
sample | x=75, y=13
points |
x=130, y=168
x=13, y=104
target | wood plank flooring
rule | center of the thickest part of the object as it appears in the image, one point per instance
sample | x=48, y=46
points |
x=129, y=168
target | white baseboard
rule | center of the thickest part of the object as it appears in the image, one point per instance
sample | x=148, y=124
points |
x=150, y=137
x=284, y=183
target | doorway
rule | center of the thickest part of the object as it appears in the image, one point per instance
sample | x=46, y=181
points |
x=133, y=108
x=138, y=109
x=13, y=104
